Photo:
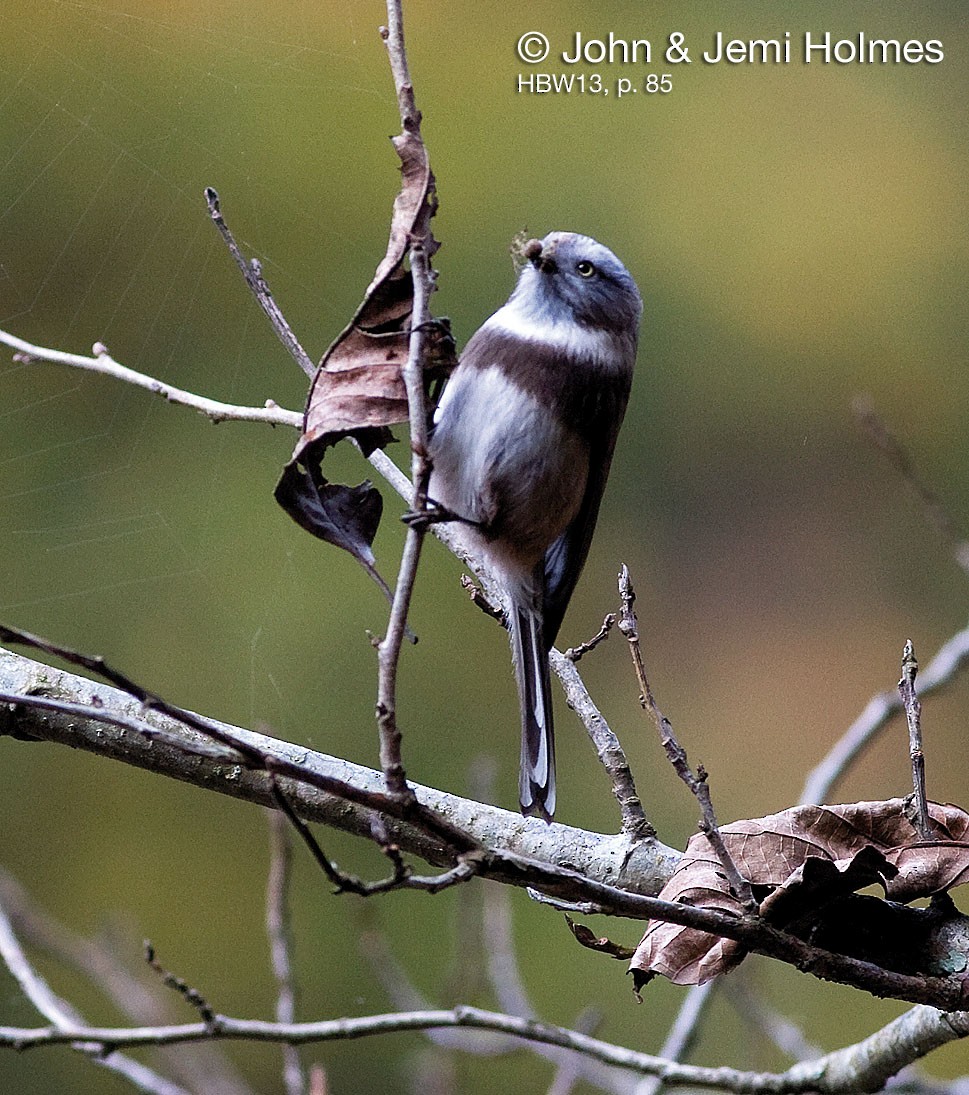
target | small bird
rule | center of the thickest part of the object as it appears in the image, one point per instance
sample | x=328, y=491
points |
x=521, y=447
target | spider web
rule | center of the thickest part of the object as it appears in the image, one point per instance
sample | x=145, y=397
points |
x=122, y=517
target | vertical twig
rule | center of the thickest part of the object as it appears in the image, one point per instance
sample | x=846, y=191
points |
x=948, y=661
x=676, y=754
x=913, y=715
x=280, y=942
x=389, y=648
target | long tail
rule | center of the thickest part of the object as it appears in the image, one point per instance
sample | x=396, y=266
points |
x=536, y=787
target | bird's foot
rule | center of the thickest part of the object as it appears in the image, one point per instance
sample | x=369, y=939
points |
x=434, y=514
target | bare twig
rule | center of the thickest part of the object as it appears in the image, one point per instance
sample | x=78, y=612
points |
x=477, y=595
x=102, y=362
x=676, y=754
x=575, y=653
x=191, y=996
x=940, y=671
x=423, y=284
x=608, y=747
x=402, y=877
x=252, y=272
x=913, y=715
x=882, y=437
x=863, y=1067
x=389, y=649
x=62, y=1019
x=125, y=722
x=279, y=934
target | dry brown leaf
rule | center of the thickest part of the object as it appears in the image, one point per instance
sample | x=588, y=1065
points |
x=603, y=944
x=358, y=390
x=798, y=861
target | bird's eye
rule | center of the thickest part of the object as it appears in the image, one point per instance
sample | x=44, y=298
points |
x=585, y=269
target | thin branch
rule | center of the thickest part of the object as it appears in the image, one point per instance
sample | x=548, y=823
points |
x=191, y=996
x=64, y=1019
x=126, y=722
x=279, y=933
x=478, y=598
x=940, y=671
x=102, y=362
x=883, y=439
x=676, y=754
x=611, y=754
x=913, y=714
x=402, y=877
x=393, y=36
x=864, y=1067
x=252, y=272
x=389, y=649
x=608, y=747
x=422, y=281
x=576, y=653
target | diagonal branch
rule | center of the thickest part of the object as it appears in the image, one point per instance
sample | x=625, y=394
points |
x=102, y=362
x=320, y=788
x=63, y=1019
x=676, y=754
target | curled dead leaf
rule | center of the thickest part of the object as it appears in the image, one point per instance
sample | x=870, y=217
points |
x=358, y=390
x=801, y=863
x=602, y=944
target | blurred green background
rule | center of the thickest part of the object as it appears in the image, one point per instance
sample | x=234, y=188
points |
x=800, y=236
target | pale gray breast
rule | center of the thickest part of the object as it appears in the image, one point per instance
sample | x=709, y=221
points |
x=501, y=459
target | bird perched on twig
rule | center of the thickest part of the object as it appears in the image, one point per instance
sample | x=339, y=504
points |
x=521, y=447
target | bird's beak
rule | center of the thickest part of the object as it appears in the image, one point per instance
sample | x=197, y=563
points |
x=541, y=258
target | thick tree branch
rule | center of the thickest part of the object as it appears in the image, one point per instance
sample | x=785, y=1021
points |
x=509, y=848
x=640, y=867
